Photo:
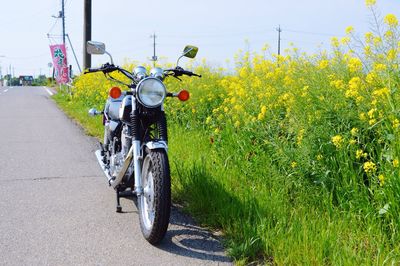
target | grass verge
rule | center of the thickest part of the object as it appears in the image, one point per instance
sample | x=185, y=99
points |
x=264, y=217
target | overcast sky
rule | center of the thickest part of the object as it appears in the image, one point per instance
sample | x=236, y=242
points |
x=218, y=28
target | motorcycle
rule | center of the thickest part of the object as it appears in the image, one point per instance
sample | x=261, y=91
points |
x=134, y=155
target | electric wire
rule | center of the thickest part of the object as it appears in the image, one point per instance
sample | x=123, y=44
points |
x=52, y=27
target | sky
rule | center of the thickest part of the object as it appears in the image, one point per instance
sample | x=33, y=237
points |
x=218, y=27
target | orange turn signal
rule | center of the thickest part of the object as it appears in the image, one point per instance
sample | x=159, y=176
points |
x=183, y=95
x=115, y=92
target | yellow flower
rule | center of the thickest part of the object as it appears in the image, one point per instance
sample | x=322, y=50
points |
x=345, y=40
x=355, y=65
x=349, y=30
x=370, y=3
x=377, y=41
x=263, y=109
x=369, y=167
x=323, y=64
x=337, y=141
x=379, y=67
x=335, y=42
x=361, y=154
x=388, y=34
x=380, y=93
x=293, y=164
x=392, y=54
x=237, y=124
x=354, y=131
x=216, y=131
x=208, y=120
x=300, y=136
x=352, y=141
x=395, y=163
x=371, y=113
x=381, y=179
x=371, y=77
x=320, y=157
x=369, y=37
x=391, y=20
x=396, y=123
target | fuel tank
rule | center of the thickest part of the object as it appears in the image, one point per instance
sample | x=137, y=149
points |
x=125, y=109
x=112, y=107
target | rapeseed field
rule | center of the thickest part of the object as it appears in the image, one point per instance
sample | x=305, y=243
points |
x=293, y=158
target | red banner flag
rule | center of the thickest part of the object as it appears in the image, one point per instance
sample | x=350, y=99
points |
x=59, y=55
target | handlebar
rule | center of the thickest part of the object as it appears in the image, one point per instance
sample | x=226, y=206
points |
x=108, y=68
x=178, y=71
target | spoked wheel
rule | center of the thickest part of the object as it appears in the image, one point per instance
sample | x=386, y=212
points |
x=155, y=203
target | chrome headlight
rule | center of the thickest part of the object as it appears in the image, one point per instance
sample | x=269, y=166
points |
x=151, y=92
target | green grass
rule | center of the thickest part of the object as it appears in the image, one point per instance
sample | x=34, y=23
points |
x=267, y=218
x=264, y=217
x=78, y=111
x=297, y=163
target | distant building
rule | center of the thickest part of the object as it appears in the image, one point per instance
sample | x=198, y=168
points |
x=25, y=80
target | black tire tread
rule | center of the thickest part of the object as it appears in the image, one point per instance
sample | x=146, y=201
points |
x=162, y=197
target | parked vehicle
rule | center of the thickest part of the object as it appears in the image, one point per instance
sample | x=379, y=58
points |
x=134, y=155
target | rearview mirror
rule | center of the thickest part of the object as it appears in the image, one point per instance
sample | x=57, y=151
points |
x=190, y=51
x=93, y=47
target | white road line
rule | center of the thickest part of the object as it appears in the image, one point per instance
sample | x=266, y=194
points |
x=5, y=90
x=49, y=91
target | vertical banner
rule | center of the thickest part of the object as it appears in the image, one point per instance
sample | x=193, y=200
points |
x=59, y=55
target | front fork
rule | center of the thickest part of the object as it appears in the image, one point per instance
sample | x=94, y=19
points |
x=137, y=166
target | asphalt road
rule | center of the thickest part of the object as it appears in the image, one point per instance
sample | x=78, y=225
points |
x=56, y=207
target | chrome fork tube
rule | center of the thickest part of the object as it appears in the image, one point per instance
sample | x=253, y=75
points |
x=138, y=170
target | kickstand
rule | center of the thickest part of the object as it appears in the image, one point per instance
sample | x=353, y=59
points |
x=119, y=208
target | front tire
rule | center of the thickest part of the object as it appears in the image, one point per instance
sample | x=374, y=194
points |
x=155, y=202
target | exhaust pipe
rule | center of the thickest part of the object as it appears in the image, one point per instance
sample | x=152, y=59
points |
x=121, y=174
x=102, y=165
x=115, y=181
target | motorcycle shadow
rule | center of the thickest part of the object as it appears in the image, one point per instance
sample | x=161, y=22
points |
x=185, y=238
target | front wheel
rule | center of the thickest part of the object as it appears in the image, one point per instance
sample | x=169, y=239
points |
x=155, y=202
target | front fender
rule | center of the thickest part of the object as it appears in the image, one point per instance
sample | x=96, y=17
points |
x=153, y=145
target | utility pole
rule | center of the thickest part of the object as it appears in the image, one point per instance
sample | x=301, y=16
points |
x=279, y=39
x=63, y=20
x=87, y=32
x=154, y=58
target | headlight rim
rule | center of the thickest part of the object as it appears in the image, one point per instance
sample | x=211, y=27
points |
x=140, y=86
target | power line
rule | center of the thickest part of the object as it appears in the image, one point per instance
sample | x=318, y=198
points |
x=217, y=35
x=52, y=27
x=312, y=33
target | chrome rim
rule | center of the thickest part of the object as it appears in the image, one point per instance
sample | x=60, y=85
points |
x=147, y=199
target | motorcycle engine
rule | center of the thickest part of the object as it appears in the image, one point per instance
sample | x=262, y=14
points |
x=117, y=158
x=126, y=140
x=116, y=162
